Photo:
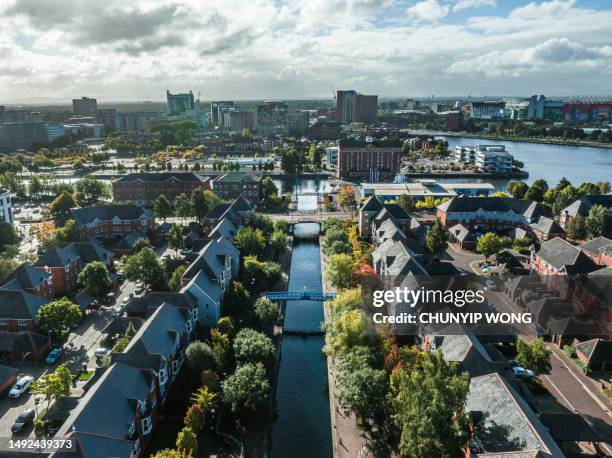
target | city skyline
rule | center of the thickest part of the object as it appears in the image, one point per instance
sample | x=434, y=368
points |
x=57, y=50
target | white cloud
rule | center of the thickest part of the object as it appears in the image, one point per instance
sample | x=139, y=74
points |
x=466, y=4
x=428, y=10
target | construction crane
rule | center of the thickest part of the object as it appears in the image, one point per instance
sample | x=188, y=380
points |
x=333, y=91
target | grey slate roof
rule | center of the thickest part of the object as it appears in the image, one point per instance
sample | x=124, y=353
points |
x=372, y=204
x=598, y=243
x=561, y=254
x=86, y=215
x=29, y=277
x=60, y=256
x=21, y=342
x=18, y=304
x=528, y=208
x=98, y=446
x=462, y=233
x=110, y=404
x=583, y=205
x=596, y=350
x=547, y=225
x=507, y=424
x=6, y=374
x=162, y=176
x=398, y=258
x=212, y=258
x=224, y=228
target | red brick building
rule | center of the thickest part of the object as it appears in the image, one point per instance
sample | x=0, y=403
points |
x=372, y=160
x=112, y=221
x=599, y=250
x=144, y=188
x=32, y=280
x=18, y=310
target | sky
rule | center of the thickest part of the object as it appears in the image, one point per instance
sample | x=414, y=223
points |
x=117, y=50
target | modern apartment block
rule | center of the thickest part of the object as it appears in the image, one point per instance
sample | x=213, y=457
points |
x=85, y=106
x=272, y=118
x=6, y=209
x=493, y=159
x=145, y=188
x=217, y=108
x=372, y=160
x=353, y=106
x=177, y=104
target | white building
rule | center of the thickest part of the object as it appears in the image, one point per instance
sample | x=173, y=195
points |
x=6, y=210
x=54, y=130
x=465, y=154
x=493, y=158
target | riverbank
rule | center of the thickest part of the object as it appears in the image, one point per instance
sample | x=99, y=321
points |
x=505, y=138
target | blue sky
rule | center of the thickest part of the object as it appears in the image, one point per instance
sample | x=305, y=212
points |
x=54, y=50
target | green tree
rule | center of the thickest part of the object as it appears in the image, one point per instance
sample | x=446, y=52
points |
x=89, y=191
x=145, y=267
x=250, y=242
x=176, y=241
x=53, y=386
x=346, y=197
x=58, y=317
x=62, y=204
x=278, y=242
x=141, y=243
x=162, y=207
x=204, y=399
x=436, y=240
x=488, y=244
x=174, y=284
x=203, y=201
x=269, y=190
x=199, y=357
x=599, y=222
x=247, y=389
x=267, y=313
x=8, y=236
x=94, y=278
x=187, y=441
x=194, y=418
x=182, y=206
x=339, y=270
x=518, y=189
x=171, y=453
x=69, y=232
x=315, y=155
x=210, y=380
x=429, y=408
x=260, y=275
x=406, y=203
x=534, y=355
x=238, y=302
x=251, y=346
x=36, y=187
x=262, y=222
x=348, y=329
x=577, y=228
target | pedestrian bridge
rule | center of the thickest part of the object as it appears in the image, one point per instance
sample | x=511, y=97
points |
x=299, y=296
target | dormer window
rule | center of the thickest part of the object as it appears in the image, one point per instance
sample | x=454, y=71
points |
x=147, y=425
x=163, y=376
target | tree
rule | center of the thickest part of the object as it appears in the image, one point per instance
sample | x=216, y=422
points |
x=204, y=399
x=8, y=236
x=250, y=241
x=162, y=207
x=406, y=203
x=346, y=197
x=315, y=155
x=62, y=204
x=141, y=243
x=261, y=222
x=251, y=346
x=534, y=355
x=53, y=385
x=221, y=349
x=488, y=244
x=199, y=357
x=577, y=228
x=210, y=380
x=36, y=187
x=599, y=222
x=58, y=317
x=89, y=191
x=259, y=275
x=269, y=190
x=182, y=206
x=171, y=453
x=194, y=418
x=69, y=232
x=348, y=329
x=145, y=267
x=174, y=284
x=203, y=201
x=339, y=270
x=247, y=389
x=267, y=313
x=366, y=276
x=278, y=242
x=94, y=278
x=436, y=240
x=238, y=302
x=176, y=241
x=187, y=441
x=518, y=189
x=429, y=404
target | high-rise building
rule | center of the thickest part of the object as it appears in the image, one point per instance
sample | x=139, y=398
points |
x=6, y=210
x=18, y=135
x=217, y=108
x=243, y=119
x=272, y=118
x=352, y=106
x=55, y=130
x=297, y=122
x=179, y=103
x=84, y=106
x=110, y=118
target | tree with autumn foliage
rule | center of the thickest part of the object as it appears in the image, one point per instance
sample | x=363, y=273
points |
x=366, y=276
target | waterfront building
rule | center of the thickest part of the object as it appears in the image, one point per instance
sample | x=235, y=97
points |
x=238, y=184
x=373, y=160
x=465, y=154
x=84, y=106
x=177, y=104
x=272, y=118
x=581, y=207
x=422, y=188
x=493, y=159
x=493, y=110
x=6, y=208
x=353, y=106
x=536, y=108
x=112, y=221
x=145, y=188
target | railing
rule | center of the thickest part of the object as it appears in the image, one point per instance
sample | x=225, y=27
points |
x=299, y=296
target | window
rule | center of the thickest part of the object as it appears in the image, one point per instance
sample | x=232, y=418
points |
x=3, y=321
x=163, y=376
x=147, y=425
x=22, y=322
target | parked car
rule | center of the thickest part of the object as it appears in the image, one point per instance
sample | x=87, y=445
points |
x=102, y=351
x=513, y=363
x=21, y=386
x=109, y=298
x=521, y=372
x=185, y=251
x=54, y=355
x=491, y=285
x=24, y=419
x=139, y=289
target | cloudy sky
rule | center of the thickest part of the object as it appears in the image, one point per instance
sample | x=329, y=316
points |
x=54, y=50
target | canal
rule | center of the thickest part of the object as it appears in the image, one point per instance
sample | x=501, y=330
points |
x=302, y=427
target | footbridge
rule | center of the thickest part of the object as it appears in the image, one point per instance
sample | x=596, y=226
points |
x=299, y=296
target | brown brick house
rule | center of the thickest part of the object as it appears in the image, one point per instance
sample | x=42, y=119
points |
x=145, y=188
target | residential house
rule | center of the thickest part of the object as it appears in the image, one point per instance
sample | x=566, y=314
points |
x=236, y=212
x=18, y=310
x=499, y=214
x=238, y=184
x=462, y=236
x=393, y=260
x=503, y=424
x=593, y=296
x=116, y=416
x=31, y=280
x=581, y=207
x=463, y=349
x=23, y=346
x=112, y=221
x=599, y=250
x=209, y=276
x=373, y=210
x=159, y=345
x=144, y=188
x=595, y=354
x=8, y=376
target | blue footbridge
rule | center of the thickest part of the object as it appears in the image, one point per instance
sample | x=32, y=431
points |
x=299, y=296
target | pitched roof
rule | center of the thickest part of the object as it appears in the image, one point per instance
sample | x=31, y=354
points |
x=7, y=373
x=547, y=226
x=110, y=404
x=596, y=350
x=224, y=228
x=29, y=277
x=462, y=233
x=372, y=204
x=99, y=446
x=62, y=255
x=212, y=258
x=238, y=177
x=504, y=421
x=561, y=254
x=86, y=215
x=22, y=342
x=162, y=176
x=528, y=208
x=593, y=246
x=583, y=205
x=398, y=257
x=396, y=211
x=19, y=304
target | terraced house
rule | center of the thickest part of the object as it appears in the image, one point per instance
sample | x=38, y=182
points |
x=112, y=221
x=238, y=184
x=144, y=188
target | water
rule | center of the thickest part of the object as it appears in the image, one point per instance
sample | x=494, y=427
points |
x=303, y=426
x=305, y=185
x=551, y=162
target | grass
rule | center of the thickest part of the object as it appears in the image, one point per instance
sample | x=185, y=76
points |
x=86, y=375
